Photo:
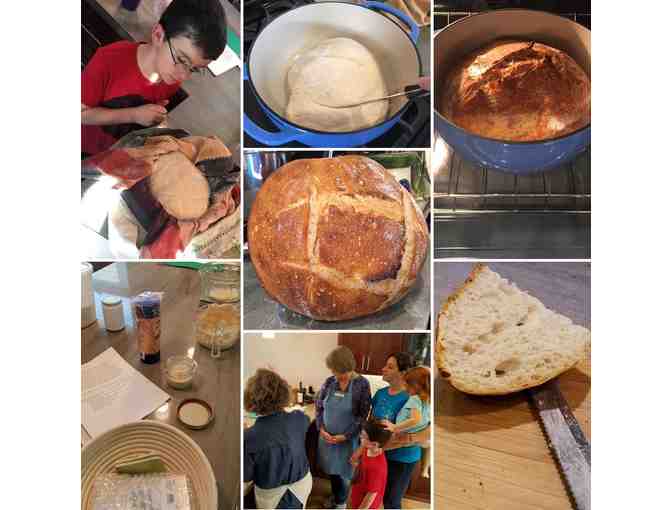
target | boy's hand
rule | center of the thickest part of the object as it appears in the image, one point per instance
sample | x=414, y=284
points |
x=150, y=114
x=338, y=438
x=388, y=425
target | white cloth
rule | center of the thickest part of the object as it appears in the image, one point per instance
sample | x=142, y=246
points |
x=269, y=498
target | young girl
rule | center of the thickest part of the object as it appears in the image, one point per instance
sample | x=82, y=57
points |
x=415, y=415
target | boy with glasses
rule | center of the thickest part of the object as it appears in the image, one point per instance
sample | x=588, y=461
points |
x=127, y=85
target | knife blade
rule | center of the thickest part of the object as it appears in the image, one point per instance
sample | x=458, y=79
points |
x=566, y=439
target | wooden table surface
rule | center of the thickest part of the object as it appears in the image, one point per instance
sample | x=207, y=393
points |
x=490, y=452
x=217, y=381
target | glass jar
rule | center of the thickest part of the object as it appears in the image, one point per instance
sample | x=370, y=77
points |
x=218, y=315
x=180, y=372
x=220, y=283
x=88, y=303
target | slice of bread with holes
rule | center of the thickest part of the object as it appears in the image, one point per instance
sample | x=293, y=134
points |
x=494, y=339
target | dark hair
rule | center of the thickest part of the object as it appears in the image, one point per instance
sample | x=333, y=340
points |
x=420, y=379
x=266, y=393
x=341, y=360
x=201, y=21
x=376, y=432
x=404, y=360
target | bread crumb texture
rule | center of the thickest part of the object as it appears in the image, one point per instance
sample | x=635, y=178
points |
x=495, y=339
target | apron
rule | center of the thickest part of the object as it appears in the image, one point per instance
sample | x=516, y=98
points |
x=334, y=459
x=269, y=498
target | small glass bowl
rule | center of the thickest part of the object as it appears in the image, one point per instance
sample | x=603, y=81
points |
x=180, y=372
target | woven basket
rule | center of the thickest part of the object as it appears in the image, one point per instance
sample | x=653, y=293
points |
x=179, y=453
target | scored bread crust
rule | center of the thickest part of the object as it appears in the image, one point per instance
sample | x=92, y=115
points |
x=521, y=383
x=517, y=91
x=336, y=238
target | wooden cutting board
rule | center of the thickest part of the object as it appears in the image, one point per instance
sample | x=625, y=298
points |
x=490, y=452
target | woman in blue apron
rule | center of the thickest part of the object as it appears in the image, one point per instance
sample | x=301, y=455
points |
x=342, y=407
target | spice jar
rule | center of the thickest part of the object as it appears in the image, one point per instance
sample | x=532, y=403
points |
x=147, y=312
x=113, y=313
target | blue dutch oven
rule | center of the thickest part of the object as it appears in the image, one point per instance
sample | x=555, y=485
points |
x=304, y=27
x=469, y=34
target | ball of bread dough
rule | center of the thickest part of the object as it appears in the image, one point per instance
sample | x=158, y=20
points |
x=335, y=72
x=180, y=187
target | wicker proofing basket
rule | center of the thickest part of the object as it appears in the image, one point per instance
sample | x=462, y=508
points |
x=179, y=453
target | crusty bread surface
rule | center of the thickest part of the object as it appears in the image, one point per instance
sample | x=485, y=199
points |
x=336, y=238
x=517, y=91
x=494, y=339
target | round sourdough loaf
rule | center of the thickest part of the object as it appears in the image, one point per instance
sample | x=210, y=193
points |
x=336, y=238
x=517, y=91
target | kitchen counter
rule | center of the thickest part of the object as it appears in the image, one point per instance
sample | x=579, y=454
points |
x=262, y=312
x=217, y=381
x=490, y=452
x=213, y=105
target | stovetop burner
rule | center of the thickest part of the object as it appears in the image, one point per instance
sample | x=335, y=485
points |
x=412, y=130
x=259, y=13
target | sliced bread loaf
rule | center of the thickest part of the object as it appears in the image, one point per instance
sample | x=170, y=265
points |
x=494, y=339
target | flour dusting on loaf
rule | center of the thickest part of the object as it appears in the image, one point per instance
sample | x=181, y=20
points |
x=336, y=238
x=517, y=91
x=493, y=338
x=337, y=71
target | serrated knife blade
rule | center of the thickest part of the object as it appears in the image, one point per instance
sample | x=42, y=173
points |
x=571, y=449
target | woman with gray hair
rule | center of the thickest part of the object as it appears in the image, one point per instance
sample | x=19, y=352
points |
x=342, y=407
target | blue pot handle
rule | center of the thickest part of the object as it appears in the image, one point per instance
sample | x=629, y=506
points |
x=380, y=6
x=272, y=138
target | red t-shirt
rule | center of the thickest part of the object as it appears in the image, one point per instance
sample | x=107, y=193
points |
x=112, y=78
x=372, y=478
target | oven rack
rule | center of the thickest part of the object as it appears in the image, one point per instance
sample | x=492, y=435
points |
x=461, y=187
x=444, y=15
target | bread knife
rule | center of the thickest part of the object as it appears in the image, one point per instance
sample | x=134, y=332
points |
x=566, y=439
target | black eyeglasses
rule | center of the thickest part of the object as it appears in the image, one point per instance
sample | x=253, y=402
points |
x=179, y=61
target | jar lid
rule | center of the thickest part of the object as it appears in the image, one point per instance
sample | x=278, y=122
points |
x=195, y=413
x=111, y=300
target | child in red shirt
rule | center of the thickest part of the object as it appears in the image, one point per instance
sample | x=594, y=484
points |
x=127, y=85
x=369, y=485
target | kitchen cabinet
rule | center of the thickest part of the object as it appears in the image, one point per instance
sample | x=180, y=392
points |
x=371, y=350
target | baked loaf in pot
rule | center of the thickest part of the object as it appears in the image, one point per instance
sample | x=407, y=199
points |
x=517, y=91
x=336, y=72
x=336, y=238
x=493, y=339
